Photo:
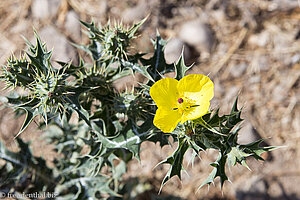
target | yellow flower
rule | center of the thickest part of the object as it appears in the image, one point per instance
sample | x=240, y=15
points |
x=179, y=101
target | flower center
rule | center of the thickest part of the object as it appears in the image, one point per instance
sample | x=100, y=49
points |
x=185, y=105
x=180, y=100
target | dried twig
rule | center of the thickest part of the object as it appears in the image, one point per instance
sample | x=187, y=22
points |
x=233, y=48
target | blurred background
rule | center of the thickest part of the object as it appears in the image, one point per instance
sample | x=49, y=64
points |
x=249, y=47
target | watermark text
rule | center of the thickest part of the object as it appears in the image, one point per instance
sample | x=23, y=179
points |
x=35, y=195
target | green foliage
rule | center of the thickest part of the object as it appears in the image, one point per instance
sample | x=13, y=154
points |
x=157, y=61
x=111, y=42
x=80, y=175
x=111, y=125
x=48, y=91
x=21, y=168
x=215, y=132
x=175, y=160
x=181, y=68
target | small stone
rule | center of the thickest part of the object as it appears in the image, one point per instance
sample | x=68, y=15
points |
x=198, y=35
x=260, y=63
x=295, y=59
x=260, y=39
x=279, y=93
x=254, y=79
x=173, y=50
x=62, y=49
x=42, y=9
x=218, y=15
x=72, y=25
x=238, y=70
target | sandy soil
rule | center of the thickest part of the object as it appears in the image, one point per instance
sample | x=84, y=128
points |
x=250, y=48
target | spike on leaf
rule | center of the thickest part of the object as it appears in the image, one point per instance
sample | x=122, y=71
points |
x=157, y=62
x=28, y=119
x=175, y=160
x=180, y=67
x=135, y=27
x=218, y=171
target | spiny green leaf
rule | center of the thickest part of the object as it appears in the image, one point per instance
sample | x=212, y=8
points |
x=91, y=26
x=9, y=156
x=235, y=107
x=236, y=155
x=121, y=74
x=213, y=119
x=137, y=68
x=234, y=117
x=88, y=187
x=39, y=56
x=207, y=126
x=119, y=170
x=219, y=171
x=210, y=179
x=69, y=69
x=256, y=150
x=72, y=102
x=28, y=119
x=233, y=136
x=162, y=138
x=195, y=146
x=110, y=42
x=18, y=72
x=175, y=160
x=222, y=124
x=157, y=62
x=24, y=165
x=26, y=105
x=181, y=68
x=129, y=138
x=135, y=27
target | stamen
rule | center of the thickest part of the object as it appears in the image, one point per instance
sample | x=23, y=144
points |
x=180, y=100
x=194, y=106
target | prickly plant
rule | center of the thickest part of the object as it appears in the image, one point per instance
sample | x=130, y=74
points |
x=111, y=125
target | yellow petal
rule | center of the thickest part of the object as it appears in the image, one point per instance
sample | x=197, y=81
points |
x=195, y=112
x=196, y=87
x=198, y=90
x=166, y=120
x=194, y=83
x=164, y=93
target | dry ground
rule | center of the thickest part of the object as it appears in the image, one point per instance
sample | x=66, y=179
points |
x=249, y=47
